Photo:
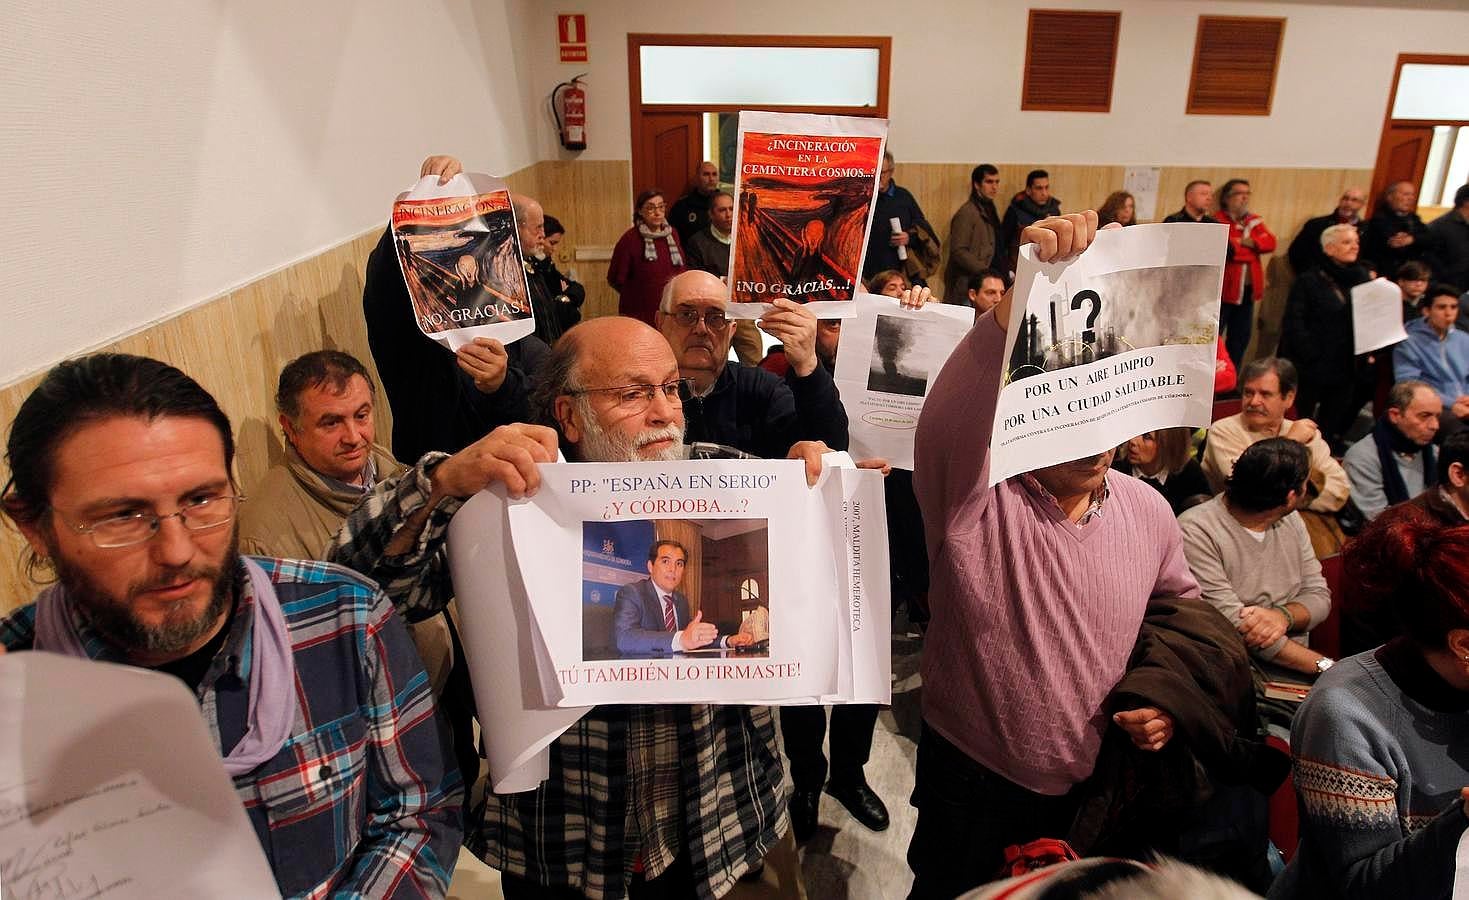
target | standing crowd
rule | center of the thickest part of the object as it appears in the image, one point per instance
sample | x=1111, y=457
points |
x=1106, y=638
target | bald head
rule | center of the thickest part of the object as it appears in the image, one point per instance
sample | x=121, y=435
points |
x=597, y=423
x=1351, y=203
x=708, y=177
x=1402, y=197
x=530, y=220
x=691, y=317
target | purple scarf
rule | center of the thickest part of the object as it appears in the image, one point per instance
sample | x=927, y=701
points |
x=272, y=670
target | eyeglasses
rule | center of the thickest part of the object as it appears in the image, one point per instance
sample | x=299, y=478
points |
x=635, y=398
x=654, y=207
x=203, y=514
x=688, y=317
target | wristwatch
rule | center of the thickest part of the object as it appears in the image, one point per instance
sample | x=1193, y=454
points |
x=1323, y=664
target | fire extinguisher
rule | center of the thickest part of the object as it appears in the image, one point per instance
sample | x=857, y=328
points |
x=569, y=106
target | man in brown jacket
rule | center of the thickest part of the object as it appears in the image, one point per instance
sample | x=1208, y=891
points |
x=972, y=233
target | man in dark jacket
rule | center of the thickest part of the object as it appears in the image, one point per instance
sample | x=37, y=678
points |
x=1305, y=251
x=1026, y=208
x=690, y=213
x=1395, y=234
x=746, y=407
x=1196, y=199
x=1450, y=233
x=883, y=243
x=440, y=400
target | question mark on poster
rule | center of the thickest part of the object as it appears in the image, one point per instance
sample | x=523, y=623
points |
x=1090, y=334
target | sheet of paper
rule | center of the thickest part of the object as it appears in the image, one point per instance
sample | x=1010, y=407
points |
x=805, y=191
x=499, y=637
x=1109, y=344
x=866, y=589
x=1142, y=183
x=460, y=254
x=1377, y=315
x=886, y=362
x=754, y=540
x=110, y=786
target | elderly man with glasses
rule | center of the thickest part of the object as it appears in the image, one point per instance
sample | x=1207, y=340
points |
x=308, y=682
x=668, y=800
x=744, y=407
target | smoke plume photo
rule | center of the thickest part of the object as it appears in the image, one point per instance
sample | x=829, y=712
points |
x=902, y=358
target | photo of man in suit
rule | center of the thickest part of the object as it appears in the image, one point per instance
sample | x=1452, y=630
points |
x=650, y=616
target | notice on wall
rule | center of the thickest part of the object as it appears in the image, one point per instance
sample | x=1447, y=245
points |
x=111, y=786
x=886, y=361
x=1142, y=183
x=1112, y=343
x=805, y=191
x=460, y=253
x=710, y=581
x=1377, y=315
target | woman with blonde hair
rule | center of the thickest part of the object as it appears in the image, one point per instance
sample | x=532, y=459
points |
x=1165, y=460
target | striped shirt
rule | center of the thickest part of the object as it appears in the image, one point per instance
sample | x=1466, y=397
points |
x=364, y=798
x=628, y=784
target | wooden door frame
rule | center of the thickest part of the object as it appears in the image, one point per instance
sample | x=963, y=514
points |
x=1388, y=122
x=636, y=107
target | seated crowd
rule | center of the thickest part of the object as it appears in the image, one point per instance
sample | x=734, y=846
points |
x=1101, y=633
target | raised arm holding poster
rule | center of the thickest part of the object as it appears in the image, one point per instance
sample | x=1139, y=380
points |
x=885, y=363
x=725, y=581
x=461, y=258
x=805, y=187
x=1108, y=345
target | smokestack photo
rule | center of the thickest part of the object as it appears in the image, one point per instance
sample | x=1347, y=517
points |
x=902, y=357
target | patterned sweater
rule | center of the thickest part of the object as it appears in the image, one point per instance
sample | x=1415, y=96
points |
x=1378, y=768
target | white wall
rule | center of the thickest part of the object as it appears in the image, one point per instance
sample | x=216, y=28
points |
x=958, y=65
x=157, y=153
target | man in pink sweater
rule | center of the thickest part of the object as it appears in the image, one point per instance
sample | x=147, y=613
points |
x=1039, y=586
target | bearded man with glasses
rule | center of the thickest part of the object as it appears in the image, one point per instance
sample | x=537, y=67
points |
x=642, y=800
x=308, y=682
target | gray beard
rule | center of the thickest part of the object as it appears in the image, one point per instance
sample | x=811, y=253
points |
x=599, y=445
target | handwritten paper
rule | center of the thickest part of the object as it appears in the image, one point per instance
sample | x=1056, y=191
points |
x=111, y=787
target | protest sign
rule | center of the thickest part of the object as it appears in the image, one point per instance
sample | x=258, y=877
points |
x=1377, y=315
x=805, y=190
x=460, y=254
x=110, y=784
x=724, y=581
x=1105, y=346
x=886, y=361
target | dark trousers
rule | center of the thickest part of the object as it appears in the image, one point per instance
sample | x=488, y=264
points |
x=804, y=727
x=967, y=816
x=676, y=883
x=1236, y=320
x=1333, y=400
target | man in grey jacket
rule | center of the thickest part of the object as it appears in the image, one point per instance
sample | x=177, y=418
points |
x=972, y=234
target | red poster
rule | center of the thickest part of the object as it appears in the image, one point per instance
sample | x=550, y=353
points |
x=805, y=191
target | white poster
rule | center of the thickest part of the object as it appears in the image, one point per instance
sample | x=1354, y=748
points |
x=110, y=785
x=460, y=254
x=805, y=191
x=886, y=362
x=724, y=581
x=1377, y=315
x=1103, y=347
x=1142, y=183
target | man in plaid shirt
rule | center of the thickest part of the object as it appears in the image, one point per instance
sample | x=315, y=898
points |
x=647, y=801
x=306, y=678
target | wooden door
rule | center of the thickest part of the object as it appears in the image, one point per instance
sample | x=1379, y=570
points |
x=666, y=151
x=1402, y=156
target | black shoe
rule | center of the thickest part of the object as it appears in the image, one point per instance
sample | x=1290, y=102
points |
x=862, y=802
x=804, y=806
